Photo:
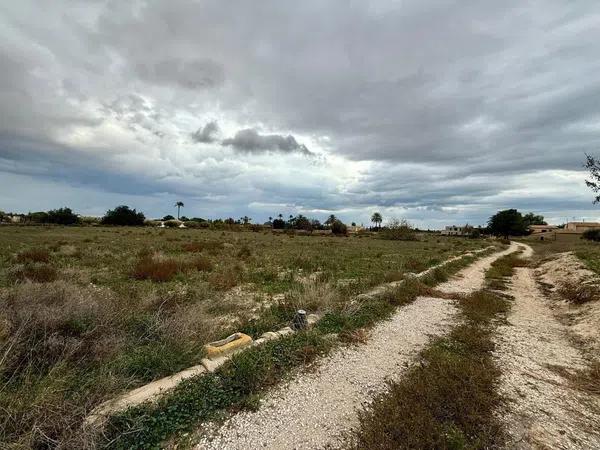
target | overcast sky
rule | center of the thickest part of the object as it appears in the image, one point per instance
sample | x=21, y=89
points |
x=441, y=112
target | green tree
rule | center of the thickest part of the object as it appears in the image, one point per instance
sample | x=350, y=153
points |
x=377, y=219
x=533, y=219
x=123, y=215
x=331, y=220
x=508, y=222
x=593, y=165
x=62, y=216
x=179, y=206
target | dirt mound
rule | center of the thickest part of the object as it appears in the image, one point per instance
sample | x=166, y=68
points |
x=583, y=320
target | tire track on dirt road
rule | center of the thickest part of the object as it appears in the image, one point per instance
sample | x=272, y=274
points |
x=544, y=410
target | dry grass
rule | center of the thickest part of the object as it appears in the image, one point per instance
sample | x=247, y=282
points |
x=36, y=255
x=578, y=293
x=159, y=270
x=90, y=322
x=34, y=272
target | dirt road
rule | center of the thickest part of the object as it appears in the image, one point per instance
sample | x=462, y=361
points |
x=534, y=353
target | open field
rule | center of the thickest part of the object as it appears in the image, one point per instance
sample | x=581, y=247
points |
x=86, y=313
x=586, y=251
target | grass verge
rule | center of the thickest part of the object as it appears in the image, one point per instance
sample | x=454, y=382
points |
x=448, y=399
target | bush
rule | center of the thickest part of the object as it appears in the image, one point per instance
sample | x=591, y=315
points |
x=168, y=217
x=62, y=216
x=123, y=215
x=278, y=224
x=591, y=235
x=171, y=224
x=339, y=228
x=398, y=230
x=201, y=264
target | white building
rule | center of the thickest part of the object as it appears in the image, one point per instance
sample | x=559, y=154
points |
x=454, y=230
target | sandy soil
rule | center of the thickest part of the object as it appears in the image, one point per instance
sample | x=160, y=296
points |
x=533, y=349
x=315, y=409
x=583, y=320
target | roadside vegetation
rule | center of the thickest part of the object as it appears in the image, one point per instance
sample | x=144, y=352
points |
x=88, y=312
x=448, y=399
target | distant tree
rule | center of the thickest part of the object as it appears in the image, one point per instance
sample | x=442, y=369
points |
x=398, y=230
x=168, y=217
x=377, y=219
x=533, y=219
x=62, y=216
x=353, y=224
x=245, y=220
x=184, y=219
x=508, y=222
x=280, y=215
x=593, y=165
x=316, y=224
x=270, y=219
x=179, y=206
x=303, y=223
x=37, y=217
x=331, y=220
x=338, y=227
x=229, y=221
x=591, y=235
x=123, y=215
x=278, y=224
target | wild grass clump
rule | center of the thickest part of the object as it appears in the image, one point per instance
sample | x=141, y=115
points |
x=34, y=255
x=226, y=277
x=34, y=272
x=194, y=247
x=159, y=270
x=578, y=293
x=415, y=265
x=201, y=264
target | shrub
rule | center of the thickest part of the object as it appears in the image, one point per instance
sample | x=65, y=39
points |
x=398, y=230
x=339, y=228
x=34, y=255
x=171, y=224
x=278, y=224
x=62, y=216
x=123, y=215
x=244, y=252
x=591, y=235
x=160, y=270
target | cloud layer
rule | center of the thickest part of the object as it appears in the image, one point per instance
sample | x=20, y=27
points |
x=439, y=111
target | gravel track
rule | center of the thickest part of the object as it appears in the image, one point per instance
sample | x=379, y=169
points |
x=316, y=408
x=533, y=350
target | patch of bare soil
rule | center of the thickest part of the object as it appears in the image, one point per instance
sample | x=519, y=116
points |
x=544, y=410
x=583, y=320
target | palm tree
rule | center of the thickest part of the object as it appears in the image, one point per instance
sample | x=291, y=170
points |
x=179, y=206
x=377, y=219
x=331, y=220
x=280, y=216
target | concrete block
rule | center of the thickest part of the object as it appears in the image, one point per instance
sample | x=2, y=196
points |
x=311, y=319
x=213, y=364
x=269, y=336
x=285, y=331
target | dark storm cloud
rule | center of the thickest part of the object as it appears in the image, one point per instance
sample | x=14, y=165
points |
x=207, y=134
x=249, y=140
x=436, y=105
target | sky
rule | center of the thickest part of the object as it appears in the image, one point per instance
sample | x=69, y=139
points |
x=440, y=112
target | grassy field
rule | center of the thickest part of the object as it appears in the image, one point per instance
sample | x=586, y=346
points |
x=86, y=313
